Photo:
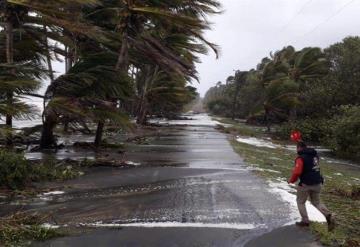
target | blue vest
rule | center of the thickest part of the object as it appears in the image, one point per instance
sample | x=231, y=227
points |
x=311, y=172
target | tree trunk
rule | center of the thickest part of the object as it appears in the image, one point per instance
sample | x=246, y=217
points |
x=50, y=68
x=66, y=127
x=9, y=60
x=293, y=114
x=267, y=120
x=47, y=139
x=48, y=56
x=141, y=118
x=122, y=62
x=234, y=106
x=99, y=134
x=68, y=59
x=122, y=65
x=142, y=112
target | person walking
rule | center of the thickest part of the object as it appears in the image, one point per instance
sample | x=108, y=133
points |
x=307, y=170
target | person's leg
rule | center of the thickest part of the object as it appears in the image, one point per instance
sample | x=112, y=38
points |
x=315, y=200
x=301, y=197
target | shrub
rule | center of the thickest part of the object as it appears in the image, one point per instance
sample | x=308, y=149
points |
x=14, y=170
x=52, y=170
x=312, y=130
x=219, y=107
x=345, y=136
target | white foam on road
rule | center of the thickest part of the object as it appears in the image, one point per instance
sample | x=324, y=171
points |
x=196, y=120
x=284, y=191
x=180, y=225
x=48, y=196
x=50, y=226
x=52, y=193
x=132, y=163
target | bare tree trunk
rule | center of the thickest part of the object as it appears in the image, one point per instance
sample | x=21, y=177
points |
x=66, y=127
x=99, y=134
x=47, y=139
x=293, y=114
x=122, y=62
x=10, y=60
x=48, y=56
x=50, y=68
x=141, y=118
x=68, y=59
x=142, y=111
x=267, y=120
x=234, y=106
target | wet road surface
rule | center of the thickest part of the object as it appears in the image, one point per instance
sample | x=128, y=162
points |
x=191, y=189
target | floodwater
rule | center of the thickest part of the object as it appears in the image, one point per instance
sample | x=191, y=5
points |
x=191, y=189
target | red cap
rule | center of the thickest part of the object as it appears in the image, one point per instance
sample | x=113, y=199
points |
x=295, y=136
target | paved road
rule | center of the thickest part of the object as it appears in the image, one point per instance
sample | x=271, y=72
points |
x=192, y=189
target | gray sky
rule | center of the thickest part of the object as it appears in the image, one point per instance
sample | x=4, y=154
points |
x=249, y=30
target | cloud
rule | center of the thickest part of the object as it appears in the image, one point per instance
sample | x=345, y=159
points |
x=249, y=30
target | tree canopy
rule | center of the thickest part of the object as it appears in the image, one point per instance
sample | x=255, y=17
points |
x=122, y=59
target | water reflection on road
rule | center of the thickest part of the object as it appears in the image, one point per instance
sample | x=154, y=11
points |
x=191, y=189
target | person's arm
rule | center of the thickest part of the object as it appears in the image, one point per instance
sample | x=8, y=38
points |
x=297, y=171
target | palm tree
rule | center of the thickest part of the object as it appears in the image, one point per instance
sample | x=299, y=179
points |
x=141, y=26
x=22, y=67
x=138, y=31
x=285, y=74
x=27, y=27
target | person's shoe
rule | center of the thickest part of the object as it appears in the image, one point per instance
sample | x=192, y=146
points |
x=302, y=224
x=331, y=222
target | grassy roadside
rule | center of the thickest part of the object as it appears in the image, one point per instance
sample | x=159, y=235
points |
x=341, y=191
x=21, y=229
x=18, y=177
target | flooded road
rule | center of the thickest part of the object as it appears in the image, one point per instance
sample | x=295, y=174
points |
x=190, y=189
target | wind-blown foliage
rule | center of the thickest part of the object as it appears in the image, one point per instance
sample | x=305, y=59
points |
x=313, y=90
x=109, y=48
x=281, y=79
x=21, y=65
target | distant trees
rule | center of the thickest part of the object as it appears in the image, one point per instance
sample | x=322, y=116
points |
x=122, y=58
x=314, y=90
x=281, y=78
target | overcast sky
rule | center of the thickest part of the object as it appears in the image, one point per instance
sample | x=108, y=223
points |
x=249, y=30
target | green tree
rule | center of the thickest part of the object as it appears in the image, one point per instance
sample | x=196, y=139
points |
x=284, y=76
x=21, y=64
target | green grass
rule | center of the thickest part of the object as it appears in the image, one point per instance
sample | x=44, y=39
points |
x=240, y=128
x=340, y=194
